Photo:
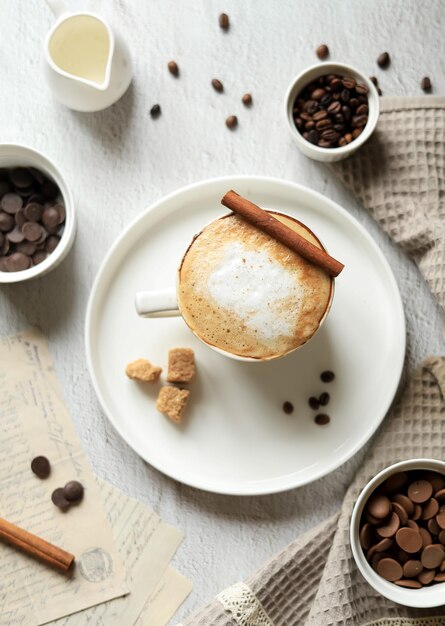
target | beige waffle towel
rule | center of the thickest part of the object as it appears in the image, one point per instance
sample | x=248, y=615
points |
x=399, y=176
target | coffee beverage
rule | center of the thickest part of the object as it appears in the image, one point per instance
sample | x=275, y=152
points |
x=246, y=293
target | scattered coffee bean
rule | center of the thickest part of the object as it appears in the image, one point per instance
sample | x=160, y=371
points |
x=401, y=529
x=217, y=85
x=41, y=466
x=173, y=68
x=322, y=419
x=288, y=407
x=324, y=398
x=232, y=122
x=383, y=60
x=327, y=376
x=322, y=52
x=29, y=213
x=73, y=491
x=247, y=99
x=425, y=84
x=374, y=80
x=58, y=498
x=331, y=111
x=314, y=403
x=224, y=21
x=155, y=111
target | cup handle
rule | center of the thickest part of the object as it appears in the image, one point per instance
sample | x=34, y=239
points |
x=58, y=7
x=160, y=303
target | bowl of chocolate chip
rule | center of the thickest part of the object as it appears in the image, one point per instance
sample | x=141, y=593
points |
x=37, y=220
x=331, y=110
x=398, y=533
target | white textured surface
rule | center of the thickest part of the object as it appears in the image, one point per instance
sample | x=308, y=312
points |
x=118, y=161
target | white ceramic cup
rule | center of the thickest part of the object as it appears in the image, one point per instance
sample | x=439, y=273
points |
x=164, y=303
x=17, y=155
x=328, y=155
x=426, y=597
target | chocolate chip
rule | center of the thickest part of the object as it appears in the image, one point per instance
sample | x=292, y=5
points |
x=224, y=21
x=379, y=506
x=33, y=211
x=247, y=99
x=425, y=83
x=322, y=419
x=51, y=243
x=324, y=398
x=17, y=262
x=433, y=527
x=400, y=512
x=408, y=583
x=15, y=235
x=11, y=203
x=21, y=177
x=426, y=576
x=409, y=540
x=41, y=466
x=327, y=376
x=430, y=509
x=390, y=569
x=390, y=527
x=427, y=540
x=412, y=568
x=39, y=256
x=440, y=517
x=288, y=407
x=155, y=111
x=32, y=231
x=26, y=247
x=420, y=491
x=322, y=51
x=50, y=217
x=173, y=68
x=217, y=85
x=6, y=222
x=73, y=491
x=366, y=536
x=432, y=556
x=232, y=122
x=383, y=60
x=58, y=498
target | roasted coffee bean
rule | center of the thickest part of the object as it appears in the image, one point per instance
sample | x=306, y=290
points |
x=320, y=115
x=349, y=82
x=358, y=121
x=314, y=403
x=58, y=498
x=342, y=142
x=335, y=84
x=73, y=491
x=354, y=103
x=322, y=51
x=374, y=80
x=334, y=108
x=345, y=96
x=379, y=91
x=362, y=109
x=361, y=89
x=330, y=134
x=224, y=21
x=232, y=122
x=173, y=68
x=247, y=99
x=41, y=466
x=425, y=84
x=322, y=419
x=288, y=407
x=155, y=111
x=338, y=118
x=383, y=60
x=327, y=99
x=318, y=94
x=311, y=107
x=217, y=85
x=327, y=376
x=339, y=128
x=313, y=136
x=305, y=116
x=323, y=124
x=356, y=132
x=309, y=125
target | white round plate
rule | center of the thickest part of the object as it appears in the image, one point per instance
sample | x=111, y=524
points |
x=235, y=438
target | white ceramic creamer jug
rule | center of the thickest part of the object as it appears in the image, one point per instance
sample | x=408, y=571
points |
x=87, y=65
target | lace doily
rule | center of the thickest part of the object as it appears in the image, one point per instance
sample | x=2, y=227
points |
x=409, y=621
x=244, y=606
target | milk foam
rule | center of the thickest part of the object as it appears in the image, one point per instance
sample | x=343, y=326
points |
x=253, y=285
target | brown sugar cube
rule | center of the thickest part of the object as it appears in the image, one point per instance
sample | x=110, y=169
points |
x=181, y=365
x=172, y=401
x=143, y=370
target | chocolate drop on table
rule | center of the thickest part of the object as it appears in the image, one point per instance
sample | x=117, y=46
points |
x=322, y=51
x=409, y=540
x=155, y=111
x=173, y=68
x=432, y=556
x=41, y=466
x=383, y=60
x=247, y=99
x=379, y=506
x=390, y=569
x=217, y=85
x=58, y=498
x=11, y=203
x=73, y=491
x=425, y=83
x=232, y=122
x=420, y=491
x=288, y=407
x=412, y=568
x=390, y=528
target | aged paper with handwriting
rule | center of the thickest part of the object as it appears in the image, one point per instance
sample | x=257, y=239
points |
x=34, y=421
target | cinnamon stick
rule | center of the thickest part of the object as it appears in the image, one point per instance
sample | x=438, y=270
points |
x=35, y=546
x=269, y=224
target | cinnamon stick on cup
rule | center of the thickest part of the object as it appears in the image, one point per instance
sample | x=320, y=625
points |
x=35, y=546
x=267, y=223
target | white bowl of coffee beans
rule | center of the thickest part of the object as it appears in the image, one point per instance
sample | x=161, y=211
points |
x=331, y=110
x=398, y=533
x=37, y=220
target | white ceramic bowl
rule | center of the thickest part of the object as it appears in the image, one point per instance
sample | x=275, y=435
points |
x=17, y=155
x=426, y=597
x=329, y=155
